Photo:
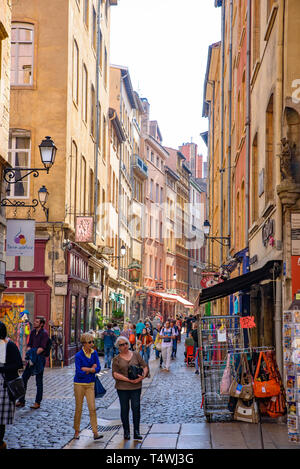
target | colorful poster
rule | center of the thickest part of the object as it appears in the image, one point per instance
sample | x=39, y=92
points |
x=20, y=236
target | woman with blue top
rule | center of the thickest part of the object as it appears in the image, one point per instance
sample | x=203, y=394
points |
x=86, y=366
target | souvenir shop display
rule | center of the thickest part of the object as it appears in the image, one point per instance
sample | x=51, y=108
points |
x=291, y=358
x=241, y=382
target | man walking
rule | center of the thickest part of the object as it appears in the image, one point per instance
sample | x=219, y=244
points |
x=36, y=360
x=109, y=341
x=167, y=334
x=174, y=341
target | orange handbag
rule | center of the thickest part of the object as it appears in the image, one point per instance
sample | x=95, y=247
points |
x=265, y=389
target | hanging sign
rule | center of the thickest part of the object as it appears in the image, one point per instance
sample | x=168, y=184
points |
x=20, y=235
x=84, y=230
x=247, y=322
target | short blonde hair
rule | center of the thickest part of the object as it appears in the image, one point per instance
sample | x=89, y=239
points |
x=86, y=337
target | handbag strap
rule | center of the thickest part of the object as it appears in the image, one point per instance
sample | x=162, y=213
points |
x=258, y=366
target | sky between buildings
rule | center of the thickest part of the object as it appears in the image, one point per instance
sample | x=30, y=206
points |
x=164, y=43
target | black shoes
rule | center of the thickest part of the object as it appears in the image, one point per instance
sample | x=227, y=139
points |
x=137, y=436
x=126, y=436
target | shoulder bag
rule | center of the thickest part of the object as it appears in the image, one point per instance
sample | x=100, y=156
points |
x=243, y=390
x=134, y=372
x=16, y=388
x=268, y=388
x=100, y=391
x=246, y=411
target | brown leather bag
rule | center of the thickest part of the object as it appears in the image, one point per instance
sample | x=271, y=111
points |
x=243, y=390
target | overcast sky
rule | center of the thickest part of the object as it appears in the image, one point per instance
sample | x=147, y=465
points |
x=164, y=43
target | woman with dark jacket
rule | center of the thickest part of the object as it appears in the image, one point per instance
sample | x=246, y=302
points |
x=10, y=363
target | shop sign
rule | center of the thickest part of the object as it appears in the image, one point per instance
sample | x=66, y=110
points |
x=61, y=284
x=211, y=279
x=20, y=236
x=267, y=231
x=84, y=232
x=295, y=275
x=295, y=221
x=247, y=322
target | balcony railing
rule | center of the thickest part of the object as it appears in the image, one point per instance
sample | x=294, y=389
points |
x=139, y=166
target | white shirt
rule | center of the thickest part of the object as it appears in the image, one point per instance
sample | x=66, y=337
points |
x=2, y=351
x=171, y=331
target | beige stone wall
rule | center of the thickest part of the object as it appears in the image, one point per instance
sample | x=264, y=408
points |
x=5, y=18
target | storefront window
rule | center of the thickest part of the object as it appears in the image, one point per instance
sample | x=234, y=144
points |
x=82, y=315
x=73, y=331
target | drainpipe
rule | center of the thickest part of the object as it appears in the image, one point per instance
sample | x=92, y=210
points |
x=278, y=136
x=248, y=123
x=230, y=124
x=222, y=128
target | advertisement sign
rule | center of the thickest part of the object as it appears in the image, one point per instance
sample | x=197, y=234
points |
x=20, y=235
x=61, y=284
x=84, y=230
x=295, y=275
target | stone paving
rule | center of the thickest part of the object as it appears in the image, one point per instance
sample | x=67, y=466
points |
x=171, y=416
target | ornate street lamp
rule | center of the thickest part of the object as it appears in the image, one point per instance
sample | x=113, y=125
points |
x=47, y=152
x=43, y=197
x=224, y=240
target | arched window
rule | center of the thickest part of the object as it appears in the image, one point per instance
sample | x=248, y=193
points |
x=22, y=51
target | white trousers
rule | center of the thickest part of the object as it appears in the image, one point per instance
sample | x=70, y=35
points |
x=166, y=355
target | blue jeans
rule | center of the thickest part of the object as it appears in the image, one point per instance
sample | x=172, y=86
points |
x=38, y=379
x=108, y=355
x=174, y=347
x=196, y=358
x=145, y=354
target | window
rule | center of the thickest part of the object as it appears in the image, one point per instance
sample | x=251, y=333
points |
x=83, y=185
x=94, y=31
x=19, y=151
x=86, y=13
x=22, y=36
x=256, y=32
x=254, y=182
x=101, y=51
x=104, y=138
x=93, y=111
x=84, y=93
x=105, y=67
x=151, y=189
x=161, y=195
x=73, y=178
x=91, y=187
x=75, y=76
x=269, y=163
x=157, y=194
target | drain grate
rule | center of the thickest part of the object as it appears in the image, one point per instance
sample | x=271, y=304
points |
x=107, y=428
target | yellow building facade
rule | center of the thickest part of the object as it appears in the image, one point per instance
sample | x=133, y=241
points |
x=60, y=88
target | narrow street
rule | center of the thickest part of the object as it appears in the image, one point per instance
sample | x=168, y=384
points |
x=171, y=416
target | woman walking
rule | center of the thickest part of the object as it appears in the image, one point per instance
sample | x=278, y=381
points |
x=129, y=391
x=87, y=365
x=146, y=342
x=10, y=363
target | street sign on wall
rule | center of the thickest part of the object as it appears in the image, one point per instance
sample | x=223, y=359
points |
x=20, y=236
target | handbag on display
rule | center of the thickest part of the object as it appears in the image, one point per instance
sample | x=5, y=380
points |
x=242, y=390
x=100, y=391
x=226, y=378
x=266, y=388
x=16, y=388
x=246, y=411
x=134, y=372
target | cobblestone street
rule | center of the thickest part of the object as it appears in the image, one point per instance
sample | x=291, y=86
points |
x=171, y=416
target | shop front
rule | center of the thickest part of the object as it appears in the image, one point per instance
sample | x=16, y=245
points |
x=76, y=304
x=26, y=282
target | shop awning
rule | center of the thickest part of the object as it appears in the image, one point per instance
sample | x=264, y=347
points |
x=168, y=297
x=243, y=282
